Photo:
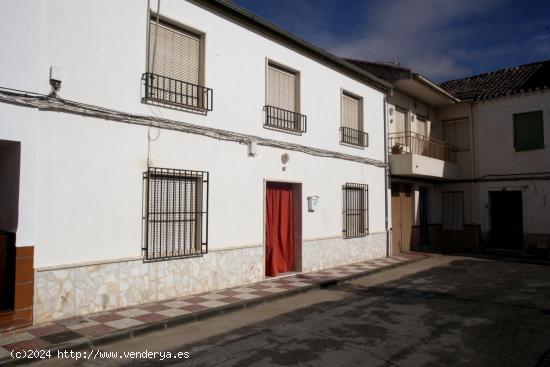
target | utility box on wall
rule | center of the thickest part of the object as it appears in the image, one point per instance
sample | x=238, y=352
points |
x=312, y=203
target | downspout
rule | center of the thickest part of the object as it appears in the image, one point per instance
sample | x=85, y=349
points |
x=386, y=173
x=473, y=165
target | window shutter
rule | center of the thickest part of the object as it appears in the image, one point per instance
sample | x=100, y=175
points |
x=350, y=112
x=400, y=120
x=421, y=125
x=176, y=54
x=281, y=91
x=528, y=131
x=457, y=133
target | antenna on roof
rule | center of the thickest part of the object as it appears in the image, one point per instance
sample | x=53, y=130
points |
x=393, y=61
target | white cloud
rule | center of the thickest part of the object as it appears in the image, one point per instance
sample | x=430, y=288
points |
x=422, y=34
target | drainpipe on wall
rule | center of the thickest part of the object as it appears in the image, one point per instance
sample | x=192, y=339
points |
x=473, y=163
x=386, y=174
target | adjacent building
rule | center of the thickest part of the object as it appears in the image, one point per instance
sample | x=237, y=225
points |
x=469, y=159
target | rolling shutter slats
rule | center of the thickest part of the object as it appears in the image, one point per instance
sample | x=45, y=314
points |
x=177, y=53
x=281, y=89
x=350, y=112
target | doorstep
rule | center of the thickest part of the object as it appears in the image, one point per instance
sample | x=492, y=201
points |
x=100, y=328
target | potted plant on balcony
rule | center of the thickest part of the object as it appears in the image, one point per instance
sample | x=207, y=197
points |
x=396, y=149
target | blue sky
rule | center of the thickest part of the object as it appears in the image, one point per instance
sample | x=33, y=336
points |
x=441, y=39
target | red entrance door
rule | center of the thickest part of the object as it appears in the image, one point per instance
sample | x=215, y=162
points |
x=279, y=231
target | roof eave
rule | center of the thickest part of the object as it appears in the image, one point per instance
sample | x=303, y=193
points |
x=436, y=88
x=286, y=37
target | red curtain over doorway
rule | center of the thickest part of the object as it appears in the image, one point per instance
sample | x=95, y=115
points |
x=279, y=231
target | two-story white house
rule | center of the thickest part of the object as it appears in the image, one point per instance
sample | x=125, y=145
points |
x=149, y=152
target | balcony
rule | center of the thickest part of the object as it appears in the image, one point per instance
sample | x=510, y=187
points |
x=354, y=137
x=173, y=93
x=417, y=155
x=284, y=120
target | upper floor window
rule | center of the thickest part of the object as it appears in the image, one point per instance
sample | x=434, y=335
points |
x=283, y=100
x=456, y=132
x=175, y=67
x=421, y=125
x=528, y=131
x=351, y=129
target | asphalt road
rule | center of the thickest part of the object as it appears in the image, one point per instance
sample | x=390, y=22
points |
x=443, y=311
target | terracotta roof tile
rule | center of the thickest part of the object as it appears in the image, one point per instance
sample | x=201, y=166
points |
x=502, y=82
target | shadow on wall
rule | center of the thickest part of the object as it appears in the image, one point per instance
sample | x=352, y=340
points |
x=467, y=239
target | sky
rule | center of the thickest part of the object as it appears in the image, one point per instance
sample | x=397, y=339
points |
x=440, y=39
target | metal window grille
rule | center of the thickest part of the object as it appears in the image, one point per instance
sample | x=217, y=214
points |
x=175, y=93
x=355, y=210
x=279, y=119
x=354, y=137
x=173, y=77
x=175, y=213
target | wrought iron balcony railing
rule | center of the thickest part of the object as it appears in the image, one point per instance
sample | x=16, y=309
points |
x=280, y=119
x=176, y=93
x=409, y=142
x=354, y=137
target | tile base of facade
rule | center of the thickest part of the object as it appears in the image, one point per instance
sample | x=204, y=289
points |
x=62, y=293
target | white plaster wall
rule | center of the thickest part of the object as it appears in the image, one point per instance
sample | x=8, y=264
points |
x=494, y=122
x=536, y=204
x=90, y=187
x=21, y=39
x=19, y=68
x=107, y=67
x=81, y=177
x=17, y=124
x=402, y=100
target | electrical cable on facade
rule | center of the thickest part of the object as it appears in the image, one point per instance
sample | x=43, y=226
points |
x=51, y=103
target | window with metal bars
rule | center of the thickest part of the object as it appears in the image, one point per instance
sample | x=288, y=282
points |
x=174, y=76
x=175, y=213
x=355, y=210
x=351, y=129
x=283, y=107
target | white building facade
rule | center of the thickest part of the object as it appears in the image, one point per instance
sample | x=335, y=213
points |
x=148, y=174
x=469, y=160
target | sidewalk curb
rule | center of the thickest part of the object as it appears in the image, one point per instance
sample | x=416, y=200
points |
x=91, y=342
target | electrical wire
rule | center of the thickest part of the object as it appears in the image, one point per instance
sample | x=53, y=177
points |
x=56, y=103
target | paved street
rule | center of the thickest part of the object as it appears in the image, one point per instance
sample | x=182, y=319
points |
x=438, y=312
